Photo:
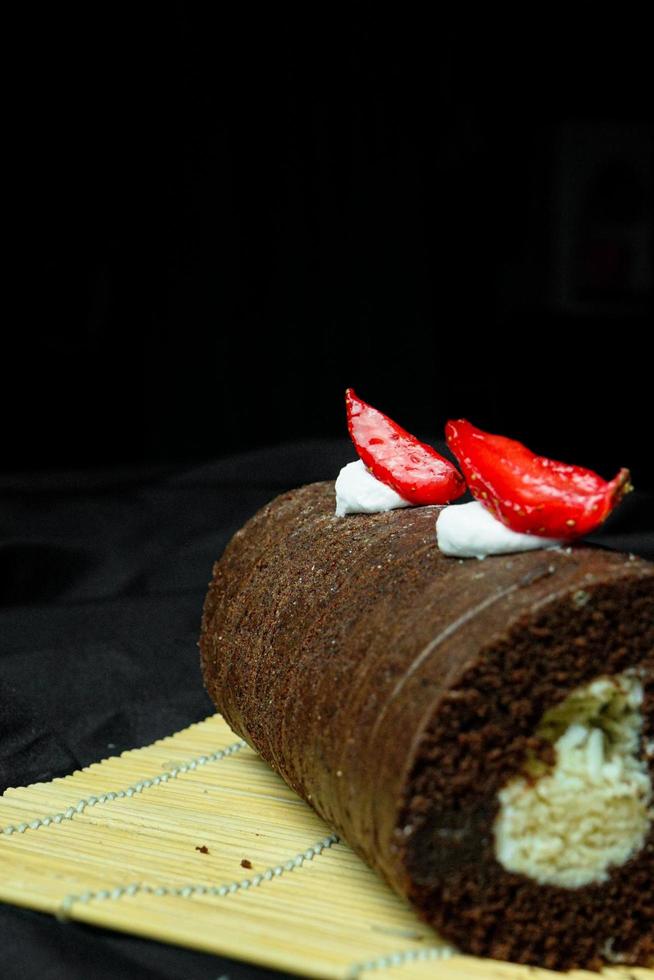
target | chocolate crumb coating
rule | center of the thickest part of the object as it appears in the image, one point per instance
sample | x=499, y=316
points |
x=398, y=691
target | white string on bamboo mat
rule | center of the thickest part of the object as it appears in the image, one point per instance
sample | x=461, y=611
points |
x=188, y=891
x=399, y=959
x=132, y=790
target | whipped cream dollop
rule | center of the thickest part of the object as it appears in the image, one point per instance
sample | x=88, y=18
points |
x=359, y=492
x=471, y=531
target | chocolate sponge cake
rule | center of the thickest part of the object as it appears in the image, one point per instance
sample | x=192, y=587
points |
x=481, y=733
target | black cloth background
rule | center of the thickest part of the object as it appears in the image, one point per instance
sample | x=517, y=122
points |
x=102, y=578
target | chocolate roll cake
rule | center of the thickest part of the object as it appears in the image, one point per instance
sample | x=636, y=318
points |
x=481, y=733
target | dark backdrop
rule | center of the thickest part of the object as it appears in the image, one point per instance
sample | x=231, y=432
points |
x=230, y=217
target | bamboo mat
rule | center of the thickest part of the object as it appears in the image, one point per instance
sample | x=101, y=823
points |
x=194, y=840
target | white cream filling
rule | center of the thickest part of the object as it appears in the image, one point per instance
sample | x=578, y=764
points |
x=568, y=825
x=359, y=492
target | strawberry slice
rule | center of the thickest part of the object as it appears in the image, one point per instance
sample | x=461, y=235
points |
x=531, y=493
x=395, y=457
